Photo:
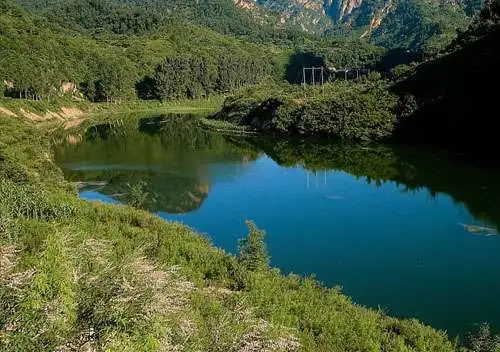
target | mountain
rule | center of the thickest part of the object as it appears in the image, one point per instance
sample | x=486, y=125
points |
x=222, y=16
x=409, y=24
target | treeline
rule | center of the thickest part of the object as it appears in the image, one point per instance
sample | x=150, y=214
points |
x=182, y=76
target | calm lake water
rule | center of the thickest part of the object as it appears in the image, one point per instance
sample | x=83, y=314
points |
x=407, y=230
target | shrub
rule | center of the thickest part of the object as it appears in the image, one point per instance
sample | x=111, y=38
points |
x=253, y=255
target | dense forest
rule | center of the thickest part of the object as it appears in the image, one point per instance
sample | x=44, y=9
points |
x=38, y=55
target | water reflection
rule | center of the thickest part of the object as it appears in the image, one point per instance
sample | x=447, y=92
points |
x=412, y=169
x=170, y=157
x=177, y=162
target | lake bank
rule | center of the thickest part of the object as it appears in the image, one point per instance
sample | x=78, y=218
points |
x=378, y=220
x=68, y=109
x=106, y=245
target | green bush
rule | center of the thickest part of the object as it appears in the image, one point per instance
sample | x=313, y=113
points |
x=253, y=255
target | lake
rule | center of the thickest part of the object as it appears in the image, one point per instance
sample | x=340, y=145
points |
x=406, y=230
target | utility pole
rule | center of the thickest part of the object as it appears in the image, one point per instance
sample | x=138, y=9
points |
x=313, y=69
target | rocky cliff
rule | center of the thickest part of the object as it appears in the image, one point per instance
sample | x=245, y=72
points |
x=392, y=23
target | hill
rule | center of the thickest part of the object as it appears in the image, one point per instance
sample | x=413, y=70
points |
x=452, y=99
x=114, y=50
x=111, y=51
x=410, y=24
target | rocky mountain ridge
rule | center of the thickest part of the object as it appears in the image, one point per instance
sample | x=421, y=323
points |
x=385, y=21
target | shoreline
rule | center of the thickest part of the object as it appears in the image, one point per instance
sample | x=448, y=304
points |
x=213, y=274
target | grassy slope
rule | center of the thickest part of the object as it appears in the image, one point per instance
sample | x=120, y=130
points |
x=85, y=109
x=81, y=275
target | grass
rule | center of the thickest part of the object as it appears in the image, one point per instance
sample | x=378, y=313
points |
x=86, y=276
x=17, y=106
x=225, y=126
x=211, y=104
x=40, y=106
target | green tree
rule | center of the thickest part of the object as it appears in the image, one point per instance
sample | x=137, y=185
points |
x=252, y=250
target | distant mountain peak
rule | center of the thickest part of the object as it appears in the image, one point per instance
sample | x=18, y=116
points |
x=392, y=23
x=246, y=4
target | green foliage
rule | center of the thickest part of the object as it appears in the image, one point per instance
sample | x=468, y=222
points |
x=30, y=202
x=138, y=196
x=353, y=111
x=483, y=26
x=253, y=255
x=39, y=56
x=426, y=26
x=179, y=77
x=325, y=319
x=97, y=16
x=449, y=90
x=403, y=71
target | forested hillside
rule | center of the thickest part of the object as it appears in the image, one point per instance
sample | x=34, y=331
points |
x=90, y=50
x=453, y=98
x=139, y=17
x=118, y=50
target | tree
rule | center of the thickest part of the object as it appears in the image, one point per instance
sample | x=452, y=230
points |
x=252, y=250
x=115, y=79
